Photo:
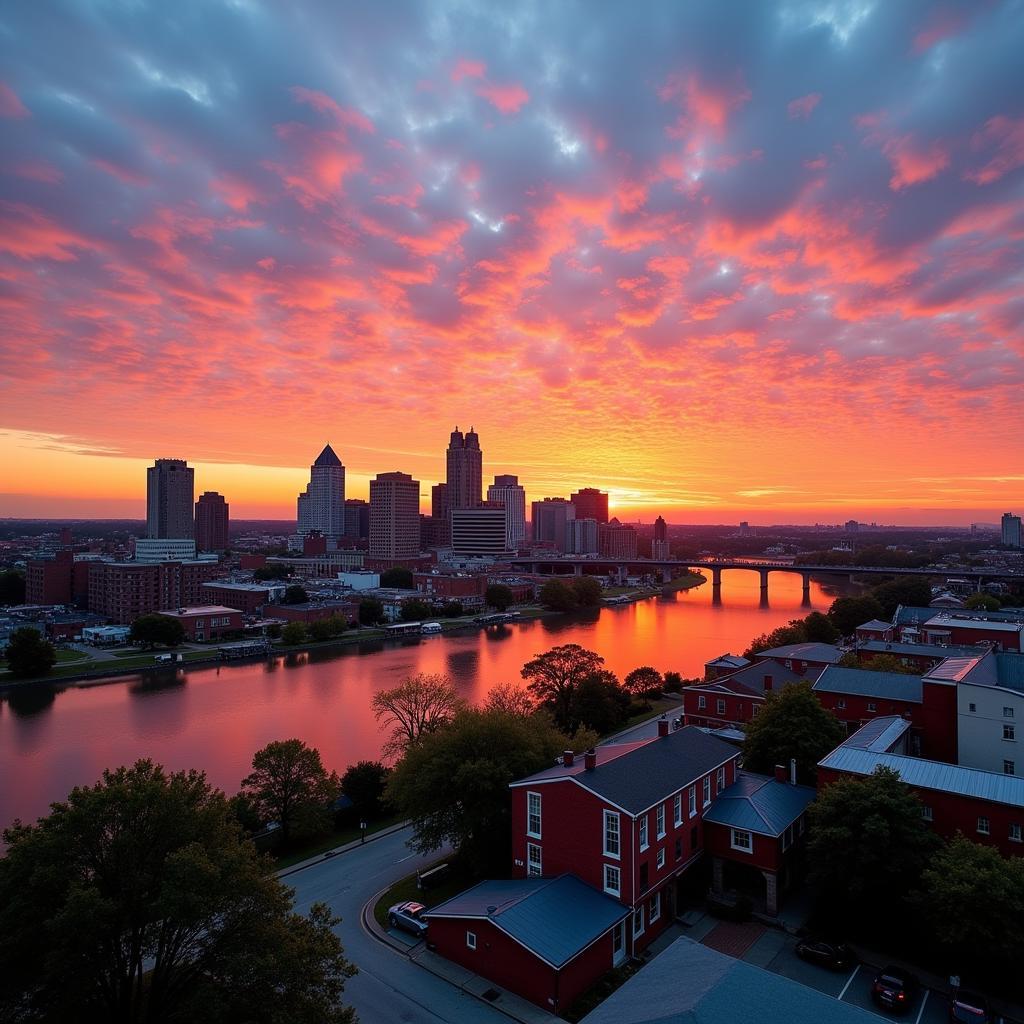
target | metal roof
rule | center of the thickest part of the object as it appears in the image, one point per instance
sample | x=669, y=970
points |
x=880, y=734
x=554, y=918
x=827, y=654
x=753, y=675
x=952, y=670
x=638, y=775
x=919, y=615
x=962, y=622
x=875, y=624
x=1010, y=670
x=946, y=778
x=727, y=684
x=920, y=650
x=862, y=682
x=733, y=660
x=760, y=803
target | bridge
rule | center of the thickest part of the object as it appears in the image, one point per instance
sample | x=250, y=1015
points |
x=670, y=567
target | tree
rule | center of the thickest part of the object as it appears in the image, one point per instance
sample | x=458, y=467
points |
x=643, y=681
x=289, y=784
x=328, y=628
x=588, y=591
x=295, y=594
x=868, y=843
x=983, y=602
x=453, y=784
x=511, y=699
x=818, y=629
x=371, y=612
x=792, y=633
x=29, y=654
x=274, y=631
x=12, y=587
x=415, y=609
x=673, y=682
x=499, y=597
x=399, y=577
x=887, y=663
x=452, y=609
x=599, y=703
x=150, y=630
x=791, y=723
x=140, y=901
x=847, y=613
x=416, y=707
x=293, y=634
x=558, y=596
x=912, y=591
x=553, y=678
x=364, y=783
x=271, y=572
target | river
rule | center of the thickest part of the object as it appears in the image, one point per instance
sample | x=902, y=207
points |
x=52, y=739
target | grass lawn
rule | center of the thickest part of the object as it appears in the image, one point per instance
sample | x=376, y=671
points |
x=337, y=838
x=65, y=655
x=405, y=889
x=661, y=706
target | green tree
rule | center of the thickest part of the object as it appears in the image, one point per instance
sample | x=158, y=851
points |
x=818, y=629
x=276, y=571
x=554, y=676
x=399, y=577
x=847, y=613
x=371, y=612
x=12, y=587
x=643, y=682
x=791, y=723
x=673, y=682
x=983, y=602
x=792, y=633
x=868, y=843
x=29, y=654
x=295, y=594
x=150, y=630
x=452, y=609
x=415, y=609
x=364, y=783
x=911, y=591
x=289, y=784
x=274, y=631
x=294, y=633
x=328, y=628
x=416, y=707
x=511, y=699
x=588, y=591
x=558, y=596
x=140, y=901
x=475, y=756
x=599, y=703
x=887, y=663
x=499, y=597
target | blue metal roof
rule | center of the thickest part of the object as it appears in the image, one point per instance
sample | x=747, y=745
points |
x=876, y=625
x=921, y=650
x=1010, y=670
x=753, y=675
x=879, y=734
x=863, y=682
x=554, y=918
x=760, y=803
x=827, y=653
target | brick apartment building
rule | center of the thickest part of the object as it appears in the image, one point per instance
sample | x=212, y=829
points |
x=206, y=622
x=122, y=591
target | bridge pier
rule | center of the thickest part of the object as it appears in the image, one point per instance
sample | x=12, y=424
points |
x=764, y=580
x=577, y=570
x=666, y=574
x=805, y=597
x=716, y=586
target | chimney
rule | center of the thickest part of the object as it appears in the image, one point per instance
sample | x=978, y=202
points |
x=792, y=771
x=663, y=726
x=567, y=757
x=780, y=773
x=590, y=760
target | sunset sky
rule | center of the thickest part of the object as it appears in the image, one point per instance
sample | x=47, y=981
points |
x=751, y=260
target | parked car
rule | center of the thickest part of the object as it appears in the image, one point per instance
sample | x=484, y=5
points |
x=968, y=1007
x=894, y=989
x=833, y=955
x=408, y=917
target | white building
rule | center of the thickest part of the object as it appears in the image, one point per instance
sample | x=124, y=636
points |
x=321, y=506
x=364, y=580
x=167, y=549
x=509, y=492
x=990, y=710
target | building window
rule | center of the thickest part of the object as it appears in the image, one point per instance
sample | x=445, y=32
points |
x=1007, y=712
x=872, y=707
x=659, y=817
x=720, y=706
x=693, y=800
x=841, y=703
x=1009, y=768
x=720, y=780
x=643, y=833
x=611, y=834
x=1015, y=833
x=694, y=837
x=611, y=880
x=983, y=828
x=972, y=707
x=926, y=813
x=661, y=858
x=645, y=877
x=741, y=840
x=638, y=922
x=677, y=809
x=471, y=940
x=701, y=702
x=654, y=908
x=707, y=790
x=1009, y=732
x=679, y=849
x=533, y=864
x=767, y=682
x=533, y=815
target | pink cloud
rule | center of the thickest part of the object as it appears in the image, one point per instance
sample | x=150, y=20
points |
x=707, y=104
x=1006, y=136
x=506, y=98
x=468, y=69
x=913, y=163
x=10, y=104
x=803, y=106
x=323, y=104
x=29, y=234
x=942, y=24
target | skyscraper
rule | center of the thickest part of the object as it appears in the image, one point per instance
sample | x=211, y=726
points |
x=321, y=506
x=170, y=492
x=1011, y=535
x=211, y=522
x=590, y=504
x=659, y=546
x=394, y=516
x=465, y=470
x=357, y=518
x=550, y=519
x=509, y=491
x=481, y=531
x=439, y=529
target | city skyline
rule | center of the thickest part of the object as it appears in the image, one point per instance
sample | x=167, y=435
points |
x=724, y=268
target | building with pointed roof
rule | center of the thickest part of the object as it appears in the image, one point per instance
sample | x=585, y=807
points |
x=321, y=506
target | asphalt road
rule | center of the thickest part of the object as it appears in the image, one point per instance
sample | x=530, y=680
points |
x=389, y=988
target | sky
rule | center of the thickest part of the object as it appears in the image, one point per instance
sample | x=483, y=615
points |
x=725, y=260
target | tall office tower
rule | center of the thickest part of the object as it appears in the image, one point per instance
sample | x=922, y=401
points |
x=357, y=518
x=1011, y=536
x=321, y=506
x=659, y=546
x=481, y=531
x=439, y=530
x=394, y=516
x=465, y=470
x=550, y=520
x=581, y=537
x=170, y=493
x=509, y=491
x=211, y=522
x=591, y=504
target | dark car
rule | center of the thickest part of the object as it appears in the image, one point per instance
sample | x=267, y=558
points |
x=894, y=989
x=833, y=955
x=408, y=917
x=968, y=1007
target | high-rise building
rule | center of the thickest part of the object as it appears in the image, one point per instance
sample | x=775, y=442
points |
x=659, y=546
x=509, y=491
x=616, y=540
x=590, y=504
x=1011, y=535
x=481, y=531
x=581, y=537
x=170, y=493
x=211, y=522
x=321, y=506
x=549, y=519
x=438, y=532
x=357, y=518
x=394, y=516
x=465, y=470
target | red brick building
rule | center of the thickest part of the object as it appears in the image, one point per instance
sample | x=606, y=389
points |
x=122, y=591
x=50, y=580
x=206, y=622
x=313, y=611
x=452, y=586
x=249, y=598
x=721, y=702
x=211, y=522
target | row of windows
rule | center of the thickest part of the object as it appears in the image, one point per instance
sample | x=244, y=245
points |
x=613, y=875
x=1007, y=711
x=984, y=826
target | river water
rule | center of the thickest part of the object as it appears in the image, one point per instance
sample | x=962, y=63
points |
x=216, y=718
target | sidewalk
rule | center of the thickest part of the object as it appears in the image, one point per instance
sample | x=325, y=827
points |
x=328, y=854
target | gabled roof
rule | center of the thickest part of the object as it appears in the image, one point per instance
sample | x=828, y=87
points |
x=728, y=661
x=727, y=684
x=981, y=667
x=862, y=682
x=880, y=734
x=826, y=654
x=753, y=675
x=554, y=918
x=760, y=803
x=327, y=457
x=635, y=776
x=876, y=625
